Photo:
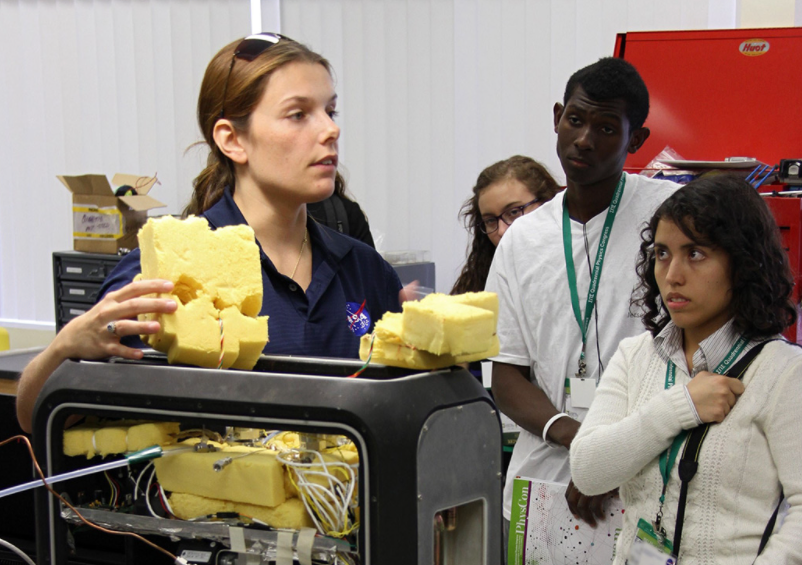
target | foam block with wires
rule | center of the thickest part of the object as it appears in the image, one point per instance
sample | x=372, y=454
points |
x=117, y=437
x=435, y=332
x=255, y=479
x=218, y=277
x=290, y=514
x=407, y=357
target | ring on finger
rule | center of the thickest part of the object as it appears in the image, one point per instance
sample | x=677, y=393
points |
x=112, y=328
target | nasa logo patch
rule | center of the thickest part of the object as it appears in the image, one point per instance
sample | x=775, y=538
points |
x=358, y=318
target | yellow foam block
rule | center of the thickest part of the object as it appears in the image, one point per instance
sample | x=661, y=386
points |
x=192, y=255
x=290, y=514
x=491, y=352
x=403, y=356
x=111, y=440
x=397, y=355
x=217, y=276
x=442, y=326
x=347, y=454
x=151, y=433
x=117, y=437
x=390, y=328
x=284, y=441
x=255, y=479
x=485, y=300
x=246, y=337
x=78, y=441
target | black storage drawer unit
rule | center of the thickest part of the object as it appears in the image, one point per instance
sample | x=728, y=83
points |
x=77, y=278
x=78, y=291
x=66, y=311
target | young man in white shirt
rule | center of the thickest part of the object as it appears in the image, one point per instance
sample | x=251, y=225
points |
x=544, y=272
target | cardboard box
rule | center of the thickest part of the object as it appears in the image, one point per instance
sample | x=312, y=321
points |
x=103, y=222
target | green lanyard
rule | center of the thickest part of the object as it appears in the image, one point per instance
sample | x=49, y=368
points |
x=595, y=275
x=669, y=456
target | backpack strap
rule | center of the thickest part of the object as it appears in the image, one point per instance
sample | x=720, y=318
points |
x=341, y=216
x=330, y=213
x=689, y=463
x=336, y=216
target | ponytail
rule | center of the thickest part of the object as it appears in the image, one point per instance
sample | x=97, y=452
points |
x=210, y=184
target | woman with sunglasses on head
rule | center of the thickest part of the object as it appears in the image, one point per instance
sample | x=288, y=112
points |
x=504, y=192
x=715, y=286
x=266, y=109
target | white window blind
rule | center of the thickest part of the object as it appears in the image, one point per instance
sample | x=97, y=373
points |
x=94, y=87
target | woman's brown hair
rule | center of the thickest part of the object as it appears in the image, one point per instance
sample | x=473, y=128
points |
x=246, y=84
x=540, y=184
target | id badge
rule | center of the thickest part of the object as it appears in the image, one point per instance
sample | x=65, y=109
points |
x=649, y=548
x=582, y=392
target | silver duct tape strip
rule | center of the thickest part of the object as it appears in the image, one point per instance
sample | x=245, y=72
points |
x=258, y=542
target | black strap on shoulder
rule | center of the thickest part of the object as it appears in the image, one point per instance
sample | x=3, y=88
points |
x=328, y=210
x=336, y=216
x=342, y=216
x=689, y=463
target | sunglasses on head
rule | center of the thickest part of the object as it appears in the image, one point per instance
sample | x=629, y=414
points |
x=248, y=50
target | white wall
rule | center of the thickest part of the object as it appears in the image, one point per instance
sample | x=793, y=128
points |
x=432, y=91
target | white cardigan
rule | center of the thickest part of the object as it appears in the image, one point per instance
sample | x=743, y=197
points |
x=743, y=461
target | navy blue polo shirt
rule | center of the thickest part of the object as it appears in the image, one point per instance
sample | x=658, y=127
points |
x=351, y=288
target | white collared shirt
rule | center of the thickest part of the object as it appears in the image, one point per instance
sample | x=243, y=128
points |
x=710, y=354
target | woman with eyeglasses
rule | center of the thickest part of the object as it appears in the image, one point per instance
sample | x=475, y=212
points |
x=266, y=109
x=504, y=192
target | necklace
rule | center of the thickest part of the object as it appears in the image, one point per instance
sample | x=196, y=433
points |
x=301, y=254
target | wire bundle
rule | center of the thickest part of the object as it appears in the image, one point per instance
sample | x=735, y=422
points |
x=327, y=497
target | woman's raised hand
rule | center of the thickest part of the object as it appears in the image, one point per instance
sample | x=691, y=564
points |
x=96, y=334
x=714, y=395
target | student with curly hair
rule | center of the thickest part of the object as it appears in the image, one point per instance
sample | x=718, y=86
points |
x=504, y=192
x=714, y=283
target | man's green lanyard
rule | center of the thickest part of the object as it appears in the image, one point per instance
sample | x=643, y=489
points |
x=595, y=275
x=669, y=456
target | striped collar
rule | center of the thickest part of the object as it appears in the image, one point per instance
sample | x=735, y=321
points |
x=711, y=352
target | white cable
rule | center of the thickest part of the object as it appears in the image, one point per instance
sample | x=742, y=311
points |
x=311, y=513
x=330, y=491
x=139, y=478
x=18, y=551
x=147, y=494
x=329, y=501
x=166, y=501
x=335, y=499
x=329, y=513
x=318, y=494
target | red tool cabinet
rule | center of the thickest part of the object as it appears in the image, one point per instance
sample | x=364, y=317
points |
x=726, y=93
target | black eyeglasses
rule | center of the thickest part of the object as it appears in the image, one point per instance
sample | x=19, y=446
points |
x=248, y=50
x=490, y=224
